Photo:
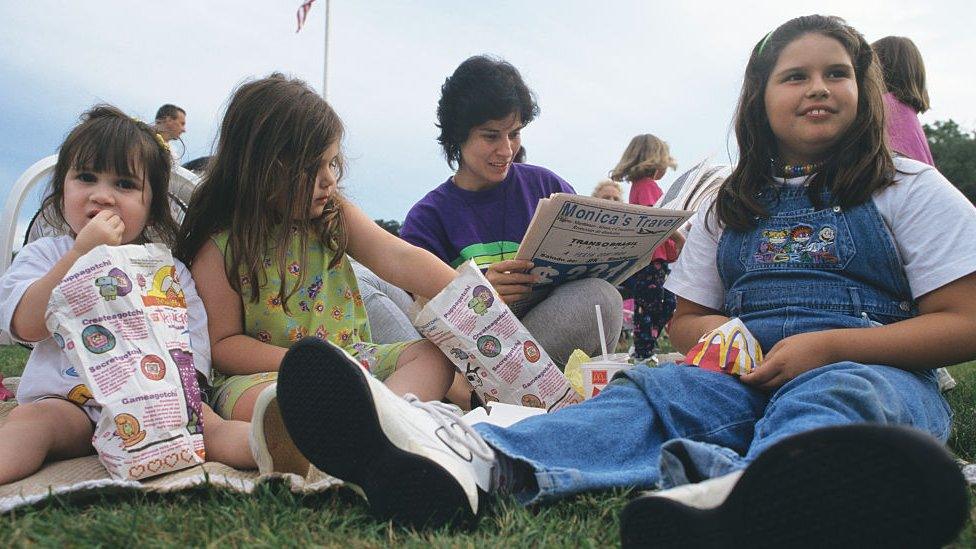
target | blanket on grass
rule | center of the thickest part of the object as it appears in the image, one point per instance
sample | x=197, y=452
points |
x=85, y=476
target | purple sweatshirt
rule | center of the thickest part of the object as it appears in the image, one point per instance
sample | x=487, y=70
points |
x=457, y=225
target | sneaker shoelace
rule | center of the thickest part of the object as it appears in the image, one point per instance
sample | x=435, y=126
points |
x=447, y=415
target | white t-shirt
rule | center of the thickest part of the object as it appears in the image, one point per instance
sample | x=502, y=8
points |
x=931, y=223
x=48, y=371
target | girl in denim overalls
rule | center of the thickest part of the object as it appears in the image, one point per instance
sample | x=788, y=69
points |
x=856, y=274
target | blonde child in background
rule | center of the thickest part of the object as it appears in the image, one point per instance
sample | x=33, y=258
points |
x=645, y=161
x=266, y=236
x=110, y=186
x=608, y=189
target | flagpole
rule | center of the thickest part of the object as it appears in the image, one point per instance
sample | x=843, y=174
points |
x=325, y=66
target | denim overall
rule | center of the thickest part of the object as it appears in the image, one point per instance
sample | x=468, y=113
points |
x=799, y=270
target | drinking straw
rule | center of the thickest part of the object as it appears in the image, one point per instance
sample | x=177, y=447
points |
x=603, y=335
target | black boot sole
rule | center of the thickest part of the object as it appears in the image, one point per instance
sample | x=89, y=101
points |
x=329, y=412
x=837, y=487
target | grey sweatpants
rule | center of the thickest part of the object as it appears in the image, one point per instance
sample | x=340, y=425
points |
x=562, y=322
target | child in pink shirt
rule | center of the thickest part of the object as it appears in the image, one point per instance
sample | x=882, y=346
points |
x=646, y=160
x=904, y=78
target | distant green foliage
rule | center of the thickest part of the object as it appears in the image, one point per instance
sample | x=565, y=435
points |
x=391, y=225
x=954, y=151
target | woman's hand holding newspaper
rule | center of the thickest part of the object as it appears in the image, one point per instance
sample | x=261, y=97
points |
x=511, y=279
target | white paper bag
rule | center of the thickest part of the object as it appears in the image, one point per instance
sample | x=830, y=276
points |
x=470, y=323
x=121, y=318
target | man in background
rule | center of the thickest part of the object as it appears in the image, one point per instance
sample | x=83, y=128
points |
x=171, y=124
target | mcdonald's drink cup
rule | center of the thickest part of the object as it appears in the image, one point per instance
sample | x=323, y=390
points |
x=598, y=372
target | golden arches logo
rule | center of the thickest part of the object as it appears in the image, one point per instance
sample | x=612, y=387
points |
x=736, y=339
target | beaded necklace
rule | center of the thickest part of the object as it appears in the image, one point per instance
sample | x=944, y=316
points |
x=794, y=170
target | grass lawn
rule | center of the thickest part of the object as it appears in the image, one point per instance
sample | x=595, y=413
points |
x=275, y=517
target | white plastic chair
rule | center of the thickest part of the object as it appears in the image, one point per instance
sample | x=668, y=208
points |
x=181, y=185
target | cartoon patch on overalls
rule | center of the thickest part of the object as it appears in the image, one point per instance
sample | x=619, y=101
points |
x=771, y=246
x=824, y=249
x=489, y=346
x=482, y=299
x=799, y=239
x=97, y=339
x=127, y=427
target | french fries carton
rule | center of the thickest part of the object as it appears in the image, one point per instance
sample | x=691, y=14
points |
x=730, y=348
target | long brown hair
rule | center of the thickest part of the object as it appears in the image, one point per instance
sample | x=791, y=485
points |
x=108, y=140
x=260, y=182
x=856, y=166
x=903, y=70
x=645, y=156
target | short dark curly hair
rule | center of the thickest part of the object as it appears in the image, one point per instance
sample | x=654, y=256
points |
x=482, y=88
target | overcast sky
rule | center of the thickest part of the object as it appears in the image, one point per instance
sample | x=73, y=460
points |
x=602, y=72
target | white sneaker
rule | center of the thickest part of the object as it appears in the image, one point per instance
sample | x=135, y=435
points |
x=847, y=486
x=417, y=462
x=272, y=448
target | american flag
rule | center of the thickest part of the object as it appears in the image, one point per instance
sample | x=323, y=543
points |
x=303, y=13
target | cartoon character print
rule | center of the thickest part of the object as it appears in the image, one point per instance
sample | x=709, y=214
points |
x=97, y=339
x=80, y=394
x=489, y=346
x=771, y=246
x=128, y=429
x=166, y=284
x=799, y=239
x=108, y=287
x=531, y=351
x=824, y=249
x=474, y=374
x=798, y=244
x=481, y=300
x=459, y=354
x=531, y=401
x=116, y=283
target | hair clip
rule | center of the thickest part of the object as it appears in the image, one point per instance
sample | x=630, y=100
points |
x=765, y=40
x=162, y=142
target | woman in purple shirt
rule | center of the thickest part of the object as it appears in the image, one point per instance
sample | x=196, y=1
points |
x=482, y=211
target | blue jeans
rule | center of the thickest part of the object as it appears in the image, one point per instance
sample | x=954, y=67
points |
x=674, y=424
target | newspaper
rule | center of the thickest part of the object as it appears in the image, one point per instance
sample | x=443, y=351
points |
x=573, y=236
x=694, y=187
